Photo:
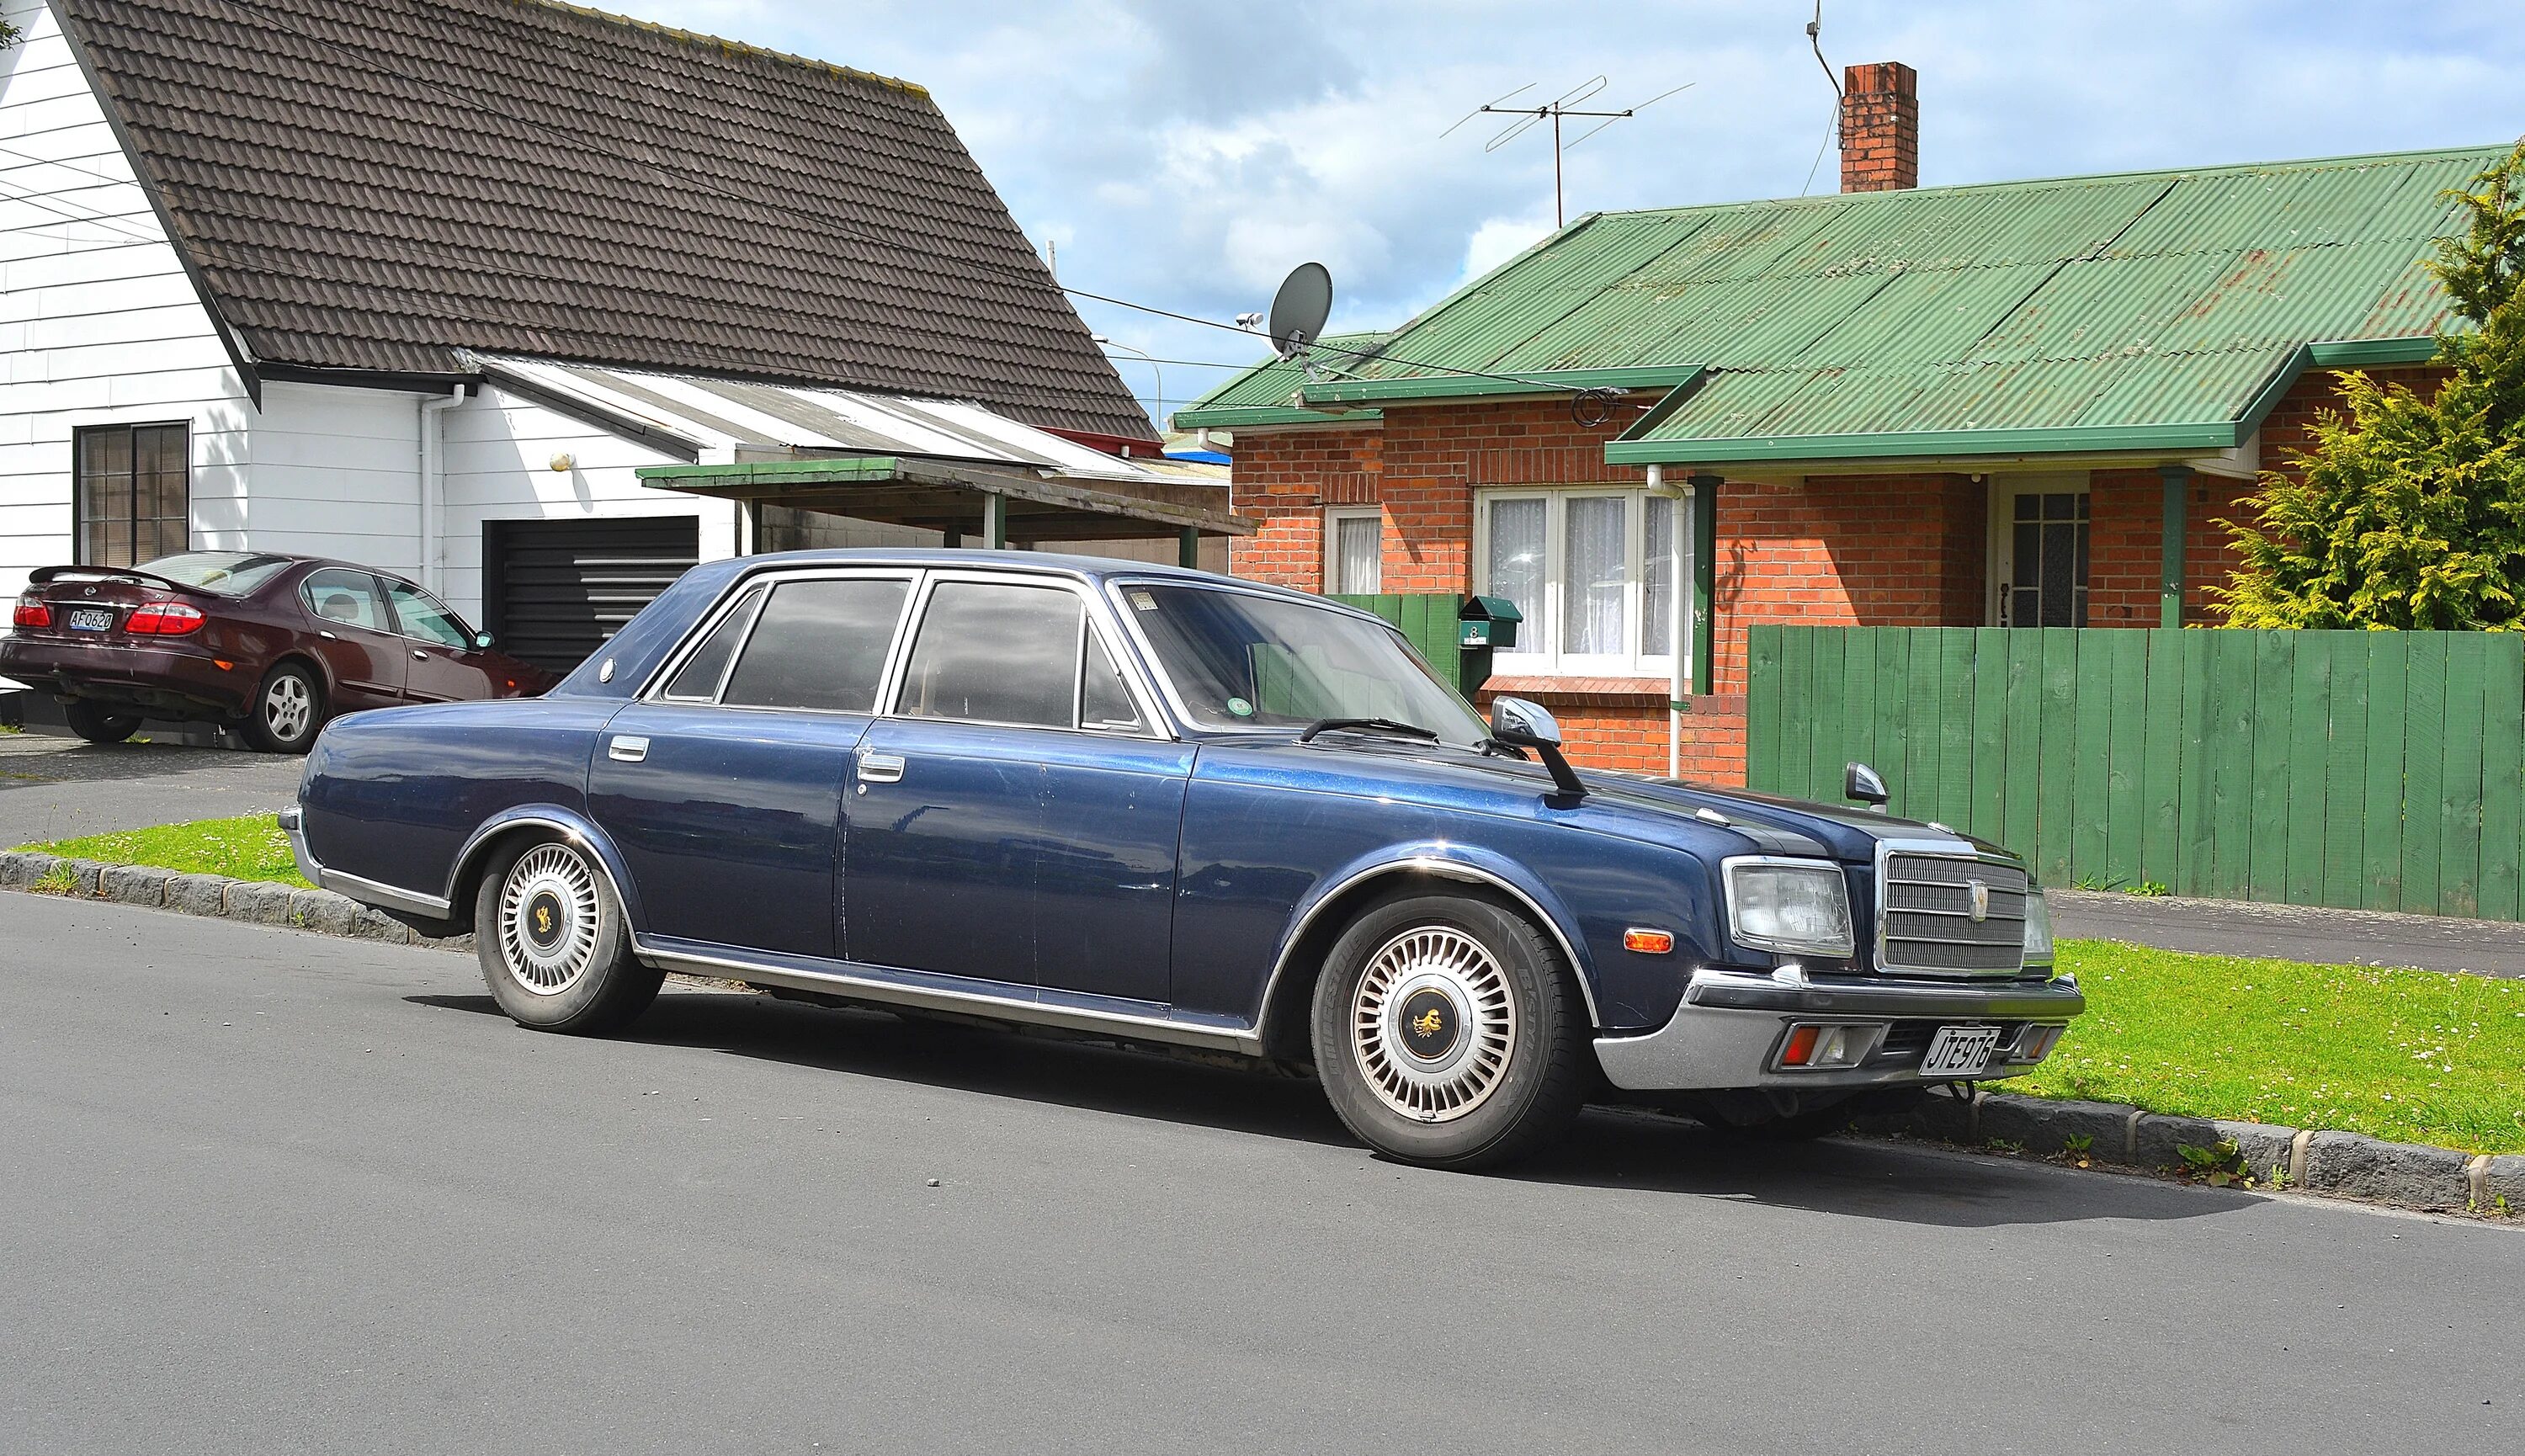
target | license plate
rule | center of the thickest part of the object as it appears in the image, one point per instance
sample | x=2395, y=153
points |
x=1959, y=1051
x=90, y=620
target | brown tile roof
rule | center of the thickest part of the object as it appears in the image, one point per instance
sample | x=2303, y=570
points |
x=375, y=184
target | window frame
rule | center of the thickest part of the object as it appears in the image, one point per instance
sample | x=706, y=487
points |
x=653, y=692
x=898, y=661
x=1539, y=651
x=386, y=584
x=79, y=519
x=376, y=598
x=1333, y=517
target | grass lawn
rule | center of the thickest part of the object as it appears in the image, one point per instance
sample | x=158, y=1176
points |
x=248, y=848
x=2414, y=1056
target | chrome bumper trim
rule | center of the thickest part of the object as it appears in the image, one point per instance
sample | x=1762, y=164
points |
x=367, y=892
x=1730, y=1022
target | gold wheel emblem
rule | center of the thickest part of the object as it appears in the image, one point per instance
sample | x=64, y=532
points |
x=1427, y=1023
x=543, y=920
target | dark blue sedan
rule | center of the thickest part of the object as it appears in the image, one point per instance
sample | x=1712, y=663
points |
x=1168, y=807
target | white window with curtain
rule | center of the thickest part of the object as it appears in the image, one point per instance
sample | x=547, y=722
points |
x=1354, y=550
x=1594, y=571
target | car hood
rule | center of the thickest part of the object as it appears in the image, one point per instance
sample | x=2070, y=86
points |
x=1634, y=806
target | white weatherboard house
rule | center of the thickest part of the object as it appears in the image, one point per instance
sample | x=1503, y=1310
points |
x=425, y=283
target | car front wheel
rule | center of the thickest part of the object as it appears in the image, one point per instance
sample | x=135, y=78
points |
x=1448, y=1033
x=554, y=948
x=288, y=710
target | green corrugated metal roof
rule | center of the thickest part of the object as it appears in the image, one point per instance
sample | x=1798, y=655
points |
x=2072, y=312
x=1265, y=394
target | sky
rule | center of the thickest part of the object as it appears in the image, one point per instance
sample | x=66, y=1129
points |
x=1187, y=156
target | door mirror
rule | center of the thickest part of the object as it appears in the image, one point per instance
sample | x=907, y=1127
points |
x=1524, y=724
x=1520, y=723
x=483, y=642
x=1862, y=785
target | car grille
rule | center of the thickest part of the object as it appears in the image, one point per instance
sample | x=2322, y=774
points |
x=1927, y=926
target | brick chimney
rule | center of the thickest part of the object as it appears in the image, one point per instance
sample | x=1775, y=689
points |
x=1880, y=127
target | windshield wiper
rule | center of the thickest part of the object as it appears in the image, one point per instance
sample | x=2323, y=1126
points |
x=1367, y=726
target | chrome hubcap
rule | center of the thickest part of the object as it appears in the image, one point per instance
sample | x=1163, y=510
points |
x=1433, y=1024
x=288, y=705
x=548, y=918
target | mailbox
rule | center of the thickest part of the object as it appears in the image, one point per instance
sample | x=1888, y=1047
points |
x=1487, y=622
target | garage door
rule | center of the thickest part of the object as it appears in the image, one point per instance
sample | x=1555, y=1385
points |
x=555, y=591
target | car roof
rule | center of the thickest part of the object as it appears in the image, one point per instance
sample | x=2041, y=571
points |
x=1090, y=569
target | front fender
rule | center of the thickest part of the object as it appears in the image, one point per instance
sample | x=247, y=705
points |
x=570, y=824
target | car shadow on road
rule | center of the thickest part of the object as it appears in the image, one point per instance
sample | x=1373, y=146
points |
x=1613, y=1149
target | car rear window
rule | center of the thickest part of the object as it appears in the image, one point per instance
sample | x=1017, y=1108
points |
x=226, y=573
x=818, y=644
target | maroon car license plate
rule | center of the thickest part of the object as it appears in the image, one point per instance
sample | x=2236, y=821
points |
x=90, y=620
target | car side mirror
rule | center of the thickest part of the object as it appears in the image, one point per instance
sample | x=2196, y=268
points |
x=1521, y=722
x=1863, y=784
x=483, y=641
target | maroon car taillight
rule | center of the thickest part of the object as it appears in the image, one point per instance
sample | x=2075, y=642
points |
x=164, y=620
x=31, y=613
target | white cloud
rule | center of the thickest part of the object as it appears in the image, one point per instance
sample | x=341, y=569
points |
x=1497, y=239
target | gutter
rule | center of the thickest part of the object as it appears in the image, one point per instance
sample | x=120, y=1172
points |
x=433, y=492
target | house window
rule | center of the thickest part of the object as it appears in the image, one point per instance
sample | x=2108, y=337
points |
x=1592, y=570
x=2038, y=560
x=133, y=493
x=1354, y=550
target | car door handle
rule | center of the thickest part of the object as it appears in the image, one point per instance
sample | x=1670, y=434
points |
x=328, y=637
x=419, y=656
x=627, y=750
x=880, y=768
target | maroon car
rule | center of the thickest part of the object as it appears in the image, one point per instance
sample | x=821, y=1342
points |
x=273, y=645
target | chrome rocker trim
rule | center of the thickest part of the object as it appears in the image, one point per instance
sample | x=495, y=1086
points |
x=1724, y=1034
x=367, y=892
x=854, y=982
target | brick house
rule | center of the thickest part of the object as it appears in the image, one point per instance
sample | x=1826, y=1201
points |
x=2011, y=404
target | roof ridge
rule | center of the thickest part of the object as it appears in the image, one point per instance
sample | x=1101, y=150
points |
x=732, y=48
x=2299, y=164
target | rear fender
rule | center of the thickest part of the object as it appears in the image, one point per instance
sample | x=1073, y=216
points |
x=543, y=821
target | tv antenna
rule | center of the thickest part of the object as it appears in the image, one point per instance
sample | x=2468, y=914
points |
x=1572, y=103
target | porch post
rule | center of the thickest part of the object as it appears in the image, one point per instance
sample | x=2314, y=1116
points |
x=1704, y=576
x=2169, y=600
x=1188, y=548
x=995, y=520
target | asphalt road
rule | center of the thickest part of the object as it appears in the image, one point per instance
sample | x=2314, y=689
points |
x=2294, y=933
x=270, y=1191
x=60, y=788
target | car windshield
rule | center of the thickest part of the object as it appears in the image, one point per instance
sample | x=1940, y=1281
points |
x=227, y=573
x=1238, y=660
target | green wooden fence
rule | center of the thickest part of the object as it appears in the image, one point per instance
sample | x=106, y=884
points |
x=1427, y=621
x=2379, y=770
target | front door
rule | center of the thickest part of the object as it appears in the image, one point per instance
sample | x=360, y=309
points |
x=1014, y=819
x=442, y=663
x=356, y=638
x=2039, y=551
x=722, y=785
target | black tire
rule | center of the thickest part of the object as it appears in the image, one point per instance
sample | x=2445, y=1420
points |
x=556, y=952
x=98, y=723
x=288, y=710
x=1441, y=1065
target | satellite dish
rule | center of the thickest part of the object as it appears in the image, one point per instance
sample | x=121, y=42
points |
x=1301, y=307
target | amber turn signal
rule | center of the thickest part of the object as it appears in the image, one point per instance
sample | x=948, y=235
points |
x=1648, y=942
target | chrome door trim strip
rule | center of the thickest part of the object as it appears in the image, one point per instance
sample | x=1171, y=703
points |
x=870, y=983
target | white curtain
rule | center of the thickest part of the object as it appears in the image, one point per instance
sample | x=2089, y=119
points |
x=1598, y=561
x=1657, y=586
x=1357, y=554
x=1516, y=561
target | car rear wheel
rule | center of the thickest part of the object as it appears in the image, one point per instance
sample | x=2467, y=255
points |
x=288, y=710
x=1448, y=1033
x=99, y=723
x=554, y=948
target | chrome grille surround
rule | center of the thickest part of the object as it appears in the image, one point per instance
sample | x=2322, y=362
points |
x=1924, y=924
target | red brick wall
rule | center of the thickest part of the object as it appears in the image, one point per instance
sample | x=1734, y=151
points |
x=1880, y=127
x=1286, y=478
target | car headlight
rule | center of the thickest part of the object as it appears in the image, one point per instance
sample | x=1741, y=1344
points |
x=1801, y=907
x=2038, y=929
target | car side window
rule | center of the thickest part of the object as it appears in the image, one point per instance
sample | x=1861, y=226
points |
x=1104, y=702
x=348, y=598
x=818, y=644
x=995, y=652
x=698, y=680
x=426, y=618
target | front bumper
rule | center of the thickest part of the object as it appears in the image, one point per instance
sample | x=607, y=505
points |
x=173, y=681
x=1729, y=1028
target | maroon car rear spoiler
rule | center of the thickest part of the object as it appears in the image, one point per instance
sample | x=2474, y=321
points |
x=42, y=574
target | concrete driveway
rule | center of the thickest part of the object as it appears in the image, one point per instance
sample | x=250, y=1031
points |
x=60, y=788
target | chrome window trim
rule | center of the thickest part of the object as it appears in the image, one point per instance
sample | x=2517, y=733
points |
x=653, y=689
x=1727, y=869
x=757, y=592
x=890, y=694
x=1117, y=587
x=1942, y=849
